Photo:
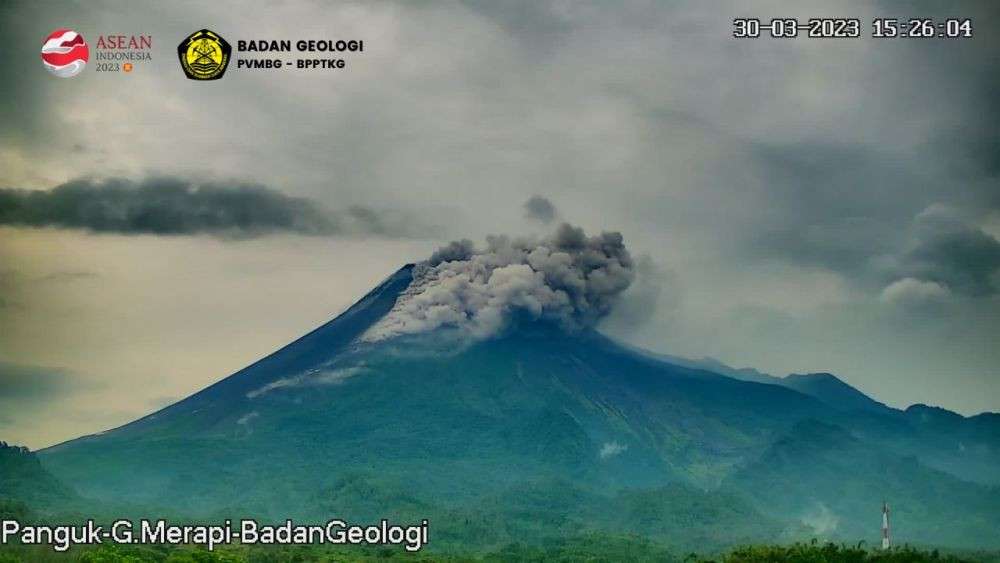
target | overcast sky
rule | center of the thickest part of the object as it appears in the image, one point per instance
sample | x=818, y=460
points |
x=798, y=205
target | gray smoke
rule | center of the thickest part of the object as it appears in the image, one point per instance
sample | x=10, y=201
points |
x=540, y=209
x=821, y=519
x=174, y=206
x=568, y=278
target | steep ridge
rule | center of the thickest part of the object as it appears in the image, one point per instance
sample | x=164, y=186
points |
x=832, y=391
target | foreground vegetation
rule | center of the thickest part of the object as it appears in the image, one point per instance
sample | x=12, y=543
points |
x=594, y=549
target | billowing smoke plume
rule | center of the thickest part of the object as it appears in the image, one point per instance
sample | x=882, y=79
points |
x=569, y=279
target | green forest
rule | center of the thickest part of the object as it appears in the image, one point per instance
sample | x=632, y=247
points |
x=593, y=548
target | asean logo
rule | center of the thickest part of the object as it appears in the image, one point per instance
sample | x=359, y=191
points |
x=65, y=53
x=204, y=55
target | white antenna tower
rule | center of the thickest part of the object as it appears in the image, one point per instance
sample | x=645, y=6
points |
x=885, y=525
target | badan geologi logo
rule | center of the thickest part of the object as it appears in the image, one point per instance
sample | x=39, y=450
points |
x=204, y=55
x=65, y=53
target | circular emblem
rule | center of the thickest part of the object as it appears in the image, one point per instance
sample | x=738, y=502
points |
x=65, y=53
x=204, y=55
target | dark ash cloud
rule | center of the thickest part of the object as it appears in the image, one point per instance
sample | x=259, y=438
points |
x=539, y=209
x=568, y=278
x=454, y=250
x=643, y=299
x=174, y=206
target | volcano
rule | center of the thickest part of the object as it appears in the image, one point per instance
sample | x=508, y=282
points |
x=539, y=432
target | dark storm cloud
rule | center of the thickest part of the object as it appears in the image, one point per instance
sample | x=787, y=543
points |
x=843, y=197
x=23, y=383
x=174, y=206
x=845, y=208
x=540, y=209
x=537, y=24
x=835, y=205
x=950, y=252
x=971, y=145
x=964, y=78
x=817, y=180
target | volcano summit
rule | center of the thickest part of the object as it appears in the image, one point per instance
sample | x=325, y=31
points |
x=473, y=390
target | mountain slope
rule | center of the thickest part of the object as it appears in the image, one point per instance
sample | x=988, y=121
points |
x=824, y=386
x=965, y=447
x=832, y=391
x=531, y=404
x=832, y=482
x=489, y=438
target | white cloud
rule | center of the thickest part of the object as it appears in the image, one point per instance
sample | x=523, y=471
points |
x=611, y=449
x=821, y=519
x=913, y=291
x=247, y=418
x=311, y=378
